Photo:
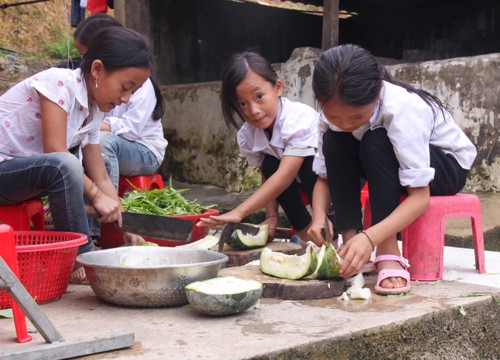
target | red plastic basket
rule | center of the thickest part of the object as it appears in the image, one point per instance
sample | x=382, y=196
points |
x=45, y=260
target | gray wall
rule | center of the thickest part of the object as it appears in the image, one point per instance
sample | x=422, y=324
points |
x=204, y=150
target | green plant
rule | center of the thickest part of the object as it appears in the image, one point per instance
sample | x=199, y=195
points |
x=58, y=43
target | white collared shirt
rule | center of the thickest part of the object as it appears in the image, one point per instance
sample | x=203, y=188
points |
x=295, y=133
x=134, y=121
x=20, y=121
x=411, y=127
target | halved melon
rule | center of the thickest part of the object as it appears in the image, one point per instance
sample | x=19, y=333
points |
x=239, y=240
x=329, y=263
x=286, y=266
x=223, y=295
x=206, y=243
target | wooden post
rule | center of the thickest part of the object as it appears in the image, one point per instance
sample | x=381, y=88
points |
x=330, y=35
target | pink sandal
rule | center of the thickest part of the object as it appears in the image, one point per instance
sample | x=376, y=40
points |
x=388, y=273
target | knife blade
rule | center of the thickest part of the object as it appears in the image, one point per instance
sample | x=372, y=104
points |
x=151, y=226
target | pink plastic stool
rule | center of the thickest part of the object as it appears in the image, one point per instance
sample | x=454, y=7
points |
x=24, y=215
x=9, y=255
x=423, y=239
x=143, y=182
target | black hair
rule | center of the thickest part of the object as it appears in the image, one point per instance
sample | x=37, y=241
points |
x=159, y=109
x=86, y=29
x=352, y=75
x=235, y=71
x=117, y=47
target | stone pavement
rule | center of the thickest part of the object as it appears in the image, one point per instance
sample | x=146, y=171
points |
x=456, y=318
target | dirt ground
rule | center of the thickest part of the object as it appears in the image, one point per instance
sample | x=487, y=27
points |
x=32, y=28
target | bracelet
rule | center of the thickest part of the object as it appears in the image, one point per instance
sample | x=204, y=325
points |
x=270, y=216
x=369, y=239
x=91, y=188
x=90, y=192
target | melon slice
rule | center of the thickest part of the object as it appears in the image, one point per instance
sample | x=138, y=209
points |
x=143, y=243
x=329, y=263
x=286, y=266
x=205, y=243
x=239, y=240
x=223, y=295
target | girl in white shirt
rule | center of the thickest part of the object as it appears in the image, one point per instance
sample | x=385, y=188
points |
x=278, y=136
x=50, y=125
x=400, y=139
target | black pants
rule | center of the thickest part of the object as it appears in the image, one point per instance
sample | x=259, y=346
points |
x=290, y=199
x=347, y=159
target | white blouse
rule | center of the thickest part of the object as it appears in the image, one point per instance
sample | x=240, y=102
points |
x=295, y=133
x=134, y=121
x=20, y=126
x=411, y=128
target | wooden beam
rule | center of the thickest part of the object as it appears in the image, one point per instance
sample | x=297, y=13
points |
x=330, y=35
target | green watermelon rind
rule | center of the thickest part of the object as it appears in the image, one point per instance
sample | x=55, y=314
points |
x=328, y=263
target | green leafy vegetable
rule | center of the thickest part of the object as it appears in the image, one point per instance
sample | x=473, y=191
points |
x=164, y=202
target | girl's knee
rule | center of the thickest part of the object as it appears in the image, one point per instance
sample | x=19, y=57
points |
x=68, y=165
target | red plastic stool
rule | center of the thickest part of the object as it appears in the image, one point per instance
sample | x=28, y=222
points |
x=423, y=239
x=28, y=215
x=143, y=182
x=9, y=255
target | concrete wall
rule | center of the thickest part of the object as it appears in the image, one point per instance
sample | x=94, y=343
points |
x=204, y=151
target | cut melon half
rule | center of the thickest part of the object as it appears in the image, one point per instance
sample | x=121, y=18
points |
x=239, y=240
x=223, y=295
x=286, y=266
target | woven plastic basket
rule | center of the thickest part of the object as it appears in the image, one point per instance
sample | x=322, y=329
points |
x=45, y=260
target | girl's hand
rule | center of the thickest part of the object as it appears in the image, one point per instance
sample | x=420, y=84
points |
x=272, y=221
x=317, y=229
x=132, y=239
x=229, y=217
x=355, y=253
x=109, y=208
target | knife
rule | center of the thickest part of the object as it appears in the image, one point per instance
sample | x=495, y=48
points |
x=228, y=229
x=151, y=226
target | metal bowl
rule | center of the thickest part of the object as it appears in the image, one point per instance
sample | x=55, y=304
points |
x=142, y=276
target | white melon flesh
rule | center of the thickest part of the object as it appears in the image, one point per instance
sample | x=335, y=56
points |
x=206, y=243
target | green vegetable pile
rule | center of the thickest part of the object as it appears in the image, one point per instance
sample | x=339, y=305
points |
x=165, y=202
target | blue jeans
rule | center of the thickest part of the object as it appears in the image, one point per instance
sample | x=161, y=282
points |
x=123, y=157
x=56, y=175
